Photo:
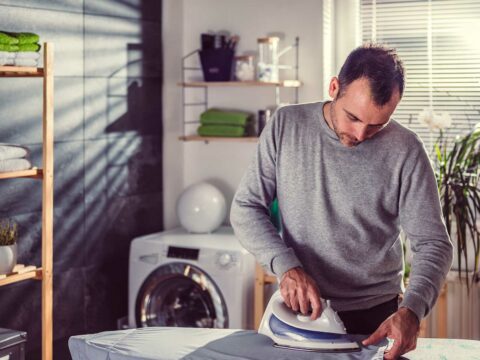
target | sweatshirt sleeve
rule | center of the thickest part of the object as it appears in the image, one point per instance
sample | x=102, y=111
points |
x=422, y=220
x=250, y=217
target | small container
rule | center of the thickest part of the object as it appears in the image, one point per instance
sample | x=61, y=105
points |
x=244, y=68
x=267, y=66
x=217, y=64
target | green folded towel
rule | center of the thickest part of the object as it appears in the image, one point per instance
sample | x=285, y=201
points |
x=29, y=47
x=9, y=48
x=223, y=117
x=221, y=130
x=6, y=38
x=26, y=37
x=20, y=48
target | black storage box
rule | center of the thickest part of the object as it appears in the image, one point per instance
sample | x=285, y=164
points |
x=217, y=64
x=12, y=344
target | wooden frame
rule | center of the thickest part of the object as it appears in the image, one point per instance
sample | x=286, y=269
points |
x=45, y=273
x=261, y=279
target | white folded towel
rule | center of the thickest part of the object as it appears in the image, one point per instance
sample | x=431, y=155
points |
x=26, y=62
x=9, y=151
x=7, y=54
x=14, y=165
x=27, y=55
x=7, y=61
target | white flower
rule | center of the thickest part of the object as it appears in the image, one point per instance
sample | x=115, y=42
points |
x=434, y=120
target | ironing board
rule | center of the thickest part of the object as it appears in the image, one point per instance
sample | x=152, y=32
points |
x=162, y=343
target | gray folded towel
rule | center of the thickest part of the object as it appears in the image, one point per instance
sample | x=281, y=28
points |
x=14, y=165
x=10, y=151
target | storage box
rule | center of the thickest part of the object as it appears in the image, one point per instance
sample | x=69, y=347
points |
x=12, y=344
x=217, y=64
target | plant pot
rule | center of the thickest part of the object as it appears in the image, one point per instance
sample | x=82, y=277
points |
x=8, y=258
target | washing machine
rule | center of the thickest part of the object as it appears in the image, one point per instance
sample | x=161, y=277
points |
x=190, y=280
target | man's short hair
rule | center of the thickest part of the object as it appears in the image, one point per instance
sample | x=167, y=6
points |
x=380, y=65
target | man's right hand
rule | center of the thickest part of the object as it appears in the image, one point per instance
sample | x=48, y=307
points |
x=300, y=292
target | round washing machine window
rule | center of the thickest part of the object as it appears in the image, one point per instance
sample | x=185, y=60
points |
x=180, y=294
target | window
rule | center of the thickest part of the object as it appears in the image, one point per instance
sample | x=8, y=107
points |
x=439, y=45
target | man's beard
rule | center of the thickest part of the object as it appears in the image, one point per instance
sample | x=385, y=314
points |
x=343, y=137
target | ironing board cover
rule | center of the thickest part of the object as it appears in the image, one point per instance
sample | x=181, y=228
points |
x=225, y=344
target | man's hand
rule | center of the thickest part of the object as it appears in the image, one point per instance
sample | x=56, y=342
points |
x=299, y=291
x=402, y=327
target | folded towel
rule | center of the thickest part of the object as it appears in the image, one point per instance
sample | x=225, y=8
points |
x=9, y=48
x=14, y=165
x=6, y=38
x=29, y=47
x=25, y=55
x=224, y=117
x=10, y=151
x=21, y=47
x=221, y=130
x=6, y=54
x=25, y=62
x=25, y=37
x=7, y=61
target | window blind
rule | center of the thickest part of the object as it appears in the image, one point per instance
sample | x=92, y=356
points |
x=438, y=41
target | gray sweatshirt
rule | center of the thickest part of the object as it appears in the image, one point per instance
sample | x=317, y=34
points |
x=342, y=209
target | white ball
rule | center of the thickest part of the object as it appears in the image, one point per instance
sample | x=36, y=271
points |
x=201, y=208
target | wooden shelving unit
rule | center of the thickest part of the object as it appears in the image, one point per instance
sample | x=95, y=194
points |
x=45, y=174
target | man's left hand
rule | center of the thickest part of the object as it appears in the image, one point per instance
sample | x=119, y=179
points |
x=402, y=327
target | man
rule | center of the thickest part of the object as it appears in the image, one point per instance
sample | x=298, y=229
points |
x=347, y=177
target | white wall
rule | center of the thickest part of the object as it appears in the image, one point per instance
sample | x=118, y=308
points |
x=172, y=27
x=223, y=164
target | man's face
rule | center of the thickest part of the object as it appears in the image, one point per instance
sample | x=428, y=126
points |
x=354, y=116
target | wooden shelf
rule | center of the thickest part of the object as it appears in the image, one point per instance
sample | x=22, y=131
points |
x=284, y=83
x=31, y=173
x=250, y=139
x=20, y=71
x=25, y=273
x=45, y=272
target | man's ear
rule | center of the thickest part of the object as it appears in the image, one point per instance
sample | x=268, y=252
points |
x=334, y=87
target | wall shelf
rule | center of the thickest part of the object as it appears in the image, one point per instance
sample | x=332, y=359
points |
x=284, y=83
x=45, y=272
x=31, y=173
x=207, y=139
x=35, y=274
x=276, y=87
x=19, y=71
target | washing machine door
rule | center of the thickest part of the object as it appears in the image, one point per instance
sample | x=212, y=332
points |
x=180, y=294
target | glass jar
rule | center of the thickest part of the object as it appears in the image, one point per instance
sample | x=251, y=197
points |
x=267, y=66
x=244, y=68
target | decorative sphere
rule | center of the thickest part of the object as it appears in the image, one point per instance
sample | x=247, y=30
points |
x=201, y=208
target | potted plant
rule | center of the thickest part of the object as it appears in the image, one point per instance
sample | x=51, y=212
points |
x=457, y=169
x=458, y=172
x=8, y=246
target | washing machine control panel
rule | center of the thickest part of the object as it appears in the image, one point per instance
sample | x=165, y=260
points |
x=182, y=253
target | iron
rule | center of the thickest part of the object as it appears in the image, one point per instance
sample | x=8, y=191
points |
x=293, y=330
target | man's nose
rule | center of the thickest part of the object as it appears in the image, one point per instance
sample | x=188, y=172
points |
x=362, y=133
